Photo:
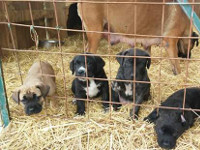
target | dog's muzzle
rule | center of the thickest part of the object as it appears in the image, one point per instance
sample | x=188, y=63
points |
x=33, y=108
x=81, y=72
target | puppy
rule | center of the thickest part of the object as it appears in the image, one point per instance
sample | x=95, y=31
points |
x=36, y=87
x=170, y=124
x=96, y=88
x=123, y=91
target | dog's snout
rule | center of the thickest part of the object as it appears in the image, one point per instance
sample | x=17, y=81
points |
x=31, y=109
x=166, y=143
x=81, y=71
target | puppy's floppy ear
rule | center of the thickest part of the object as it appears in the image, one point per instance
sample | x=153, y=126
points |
x=187, y=119
x=44, y=89
x=15, y=96
x=152, y=117
x=183, y=120
x=100, y=62
x=121, y=59
x=72, y=66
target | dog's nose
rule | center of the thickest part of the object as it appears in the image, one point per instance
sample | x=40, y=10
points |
x=166, y=143
x=31, y=109
x=81, y=72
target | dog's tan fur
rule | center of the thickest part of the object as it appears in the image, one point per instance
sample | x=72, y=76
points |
x=39, y=77
x=122, y=18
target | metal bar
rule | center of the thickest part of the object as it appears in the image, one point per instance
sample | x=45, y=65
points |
x=103, y=2
x=188, y=11
x=61, y=56
x=3, y=99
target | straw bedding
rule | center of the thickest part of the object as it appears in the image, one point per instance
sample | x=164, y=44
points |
x=55, y=128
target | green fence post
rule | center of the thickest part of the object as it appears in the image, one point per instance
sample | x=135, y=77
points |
x=3, y=99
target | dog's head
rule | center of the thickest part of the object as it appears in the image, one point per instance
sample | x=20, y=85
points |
x=183, y=45
x=31, y=97
x=95, y=65
x=169, y=125
x=126, y=70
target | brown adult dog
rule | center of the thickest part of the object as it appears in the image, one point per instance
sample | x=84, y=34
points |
x=147, y=21
x=39, y=83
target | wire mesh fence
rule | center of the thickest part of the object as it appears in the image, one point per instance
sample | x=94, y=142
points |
x=119, y=22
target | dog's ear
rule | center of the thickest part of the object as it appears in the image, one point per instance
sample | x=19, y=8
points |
x=194, y=34
x=121, y=59
x=44, y=89
x=183, y=120
x=189, y=121
x=72, y=66
x=15, y=96
x=152, y=117
x=100, y=62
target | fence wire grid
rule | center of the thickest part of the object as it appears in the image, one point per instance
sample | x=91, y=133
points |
x=109, y=55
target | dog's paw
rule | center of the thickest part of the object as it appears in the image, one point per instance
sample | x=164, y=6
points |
x=106, y=109
x=133, y=115
x=116, y=107
x=81, y=112
x=74, y=102
x=146, y=119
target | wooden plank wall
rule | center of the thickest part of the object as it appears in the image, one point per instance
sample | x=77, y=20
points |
x=19, y=13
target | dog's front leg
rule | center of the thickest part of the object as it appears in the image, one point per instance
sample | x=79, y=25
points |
x=80, y=95
x=115, y=99
x=80, y=107
x=105, y=96
x=139, y=100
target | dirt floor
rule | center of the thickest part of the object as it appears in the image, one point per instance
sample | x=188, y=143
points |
x=59, y=128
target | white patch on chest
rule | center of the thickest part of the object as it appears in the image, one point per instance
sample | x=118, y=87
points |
x=129, y=90
x=92, y=89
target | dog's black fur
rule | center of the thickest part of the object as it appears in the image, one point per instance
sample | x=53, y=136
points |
x=126, y=72
x=184, y=48
x=95, y=69
x=170, y=124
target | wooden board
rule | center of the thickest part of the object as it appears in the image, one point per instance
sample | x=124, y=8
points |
x=19, y=13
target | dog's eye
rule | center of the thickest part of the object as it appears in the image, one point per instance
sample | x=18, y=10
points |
x=24, y=101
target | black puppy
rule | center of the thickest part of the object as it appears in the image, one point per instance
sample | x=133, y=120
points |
x=183, y=45
x=96, y=88
x=123, y=91
x=170, y=124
